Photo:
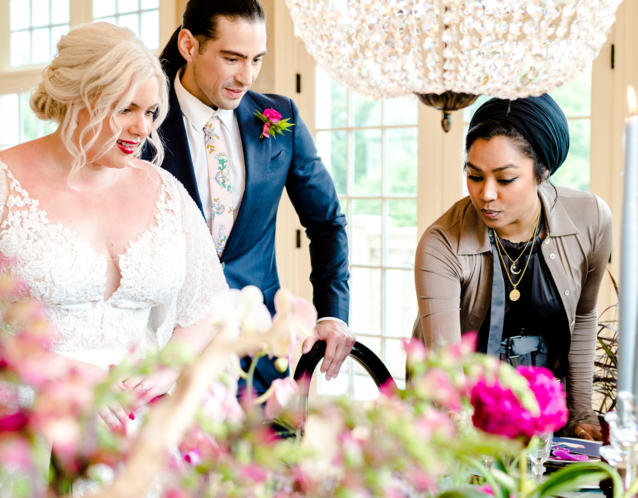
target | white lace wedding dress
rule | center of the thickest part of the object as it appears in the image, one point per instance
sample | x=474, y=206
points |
x=169, y=275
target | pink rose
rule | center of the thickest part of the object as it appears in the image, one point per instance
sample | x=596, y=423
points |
x=265, y=131
x=272, y=116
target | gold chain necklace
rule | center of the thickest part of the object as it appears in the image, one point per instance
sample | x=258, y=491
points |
x=515, y=294
x=514, y=261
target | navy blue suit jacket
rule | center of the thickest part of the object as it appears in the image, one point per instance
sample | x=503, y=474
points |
x=289, y=161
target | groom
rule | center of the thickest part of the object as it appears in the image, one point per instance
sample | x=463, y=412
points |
x=214, y=147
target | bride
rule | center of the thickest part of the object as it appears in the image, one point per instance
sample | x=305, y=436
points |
x=113, y=246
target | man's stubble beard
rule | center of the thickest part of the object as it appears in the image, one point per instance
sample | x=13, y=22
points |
x=227, y=106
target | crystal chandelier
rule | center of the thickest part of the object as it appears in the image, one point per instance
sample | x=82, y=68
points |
x=448, y=52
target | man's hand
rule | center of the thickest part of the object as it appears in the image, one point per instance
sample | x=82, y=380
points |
x=339, y=342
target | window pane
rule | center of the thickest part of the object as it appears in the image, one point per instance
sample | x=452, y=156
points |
x=367, y=162
x=30, y=123
x=40, y=13
x=9, y=129
x=400, y=303
x=125, y=6
x=41, y=46
x=334, y=387
x=401, y=112
x=102, y=8
x=150, y=4
x=365, y=300
x=366, y=232
x=374, y=345
x=59, y=11
x=150, y=29
x=331, y=102
x=401, y=160
x=364, y=388
x=574, y=98
x=56, y=34
x=20, y=48
x=332, y=147
x=130, y=21
x=574, y=172
x=395, y=357
x=112, y=20
x=468, y=112
x=401, y=233
x=20, y=14
x=366, y=112
x=344, y=207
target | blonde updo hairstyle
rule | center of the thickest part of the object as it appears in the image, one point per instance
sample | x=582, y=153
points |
x=98, y=68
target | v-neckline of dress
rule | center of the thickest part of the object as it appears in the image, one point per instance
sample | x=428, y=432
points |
x=35, y=205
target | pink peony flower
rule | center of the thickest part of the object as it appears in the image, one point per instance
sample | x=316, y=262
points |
x=497, y=410
x=272, y=115
x=284, y=391
x=550, y=397
x=265, y=131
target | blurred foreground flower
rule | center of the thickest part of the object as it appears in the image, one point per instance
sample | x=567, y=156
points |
x=498, y=410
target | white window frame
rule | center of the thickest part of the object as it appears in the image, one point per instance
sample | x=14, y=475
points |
x=23, y=78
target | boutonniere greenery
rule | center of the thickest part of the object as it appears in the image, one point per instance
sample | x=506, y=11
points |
x=273, y=123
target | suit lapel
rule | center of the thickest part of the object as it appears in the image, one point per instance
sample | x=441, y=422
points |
x=257, y=160
x=178, y=159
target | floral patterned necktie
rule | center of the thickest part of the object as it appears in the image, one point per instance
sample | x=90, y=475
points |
x=219, y=179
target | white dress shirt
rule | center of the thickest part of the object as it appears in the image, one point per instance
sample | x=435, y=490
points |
x=196, y=114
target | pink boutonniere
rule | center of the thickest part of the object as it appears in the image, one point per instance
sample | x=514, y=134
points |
x=273, y=123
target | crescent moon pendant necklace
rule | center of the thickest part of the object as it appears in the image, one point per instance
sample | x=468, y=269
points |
x=515, y=294
x=513, y=269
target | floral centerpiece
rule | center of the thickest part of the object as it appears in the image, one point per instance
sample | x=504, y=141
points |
x=206, y=441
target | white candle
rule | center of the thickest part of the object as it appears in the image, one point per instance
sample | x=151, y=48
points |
x=629, y=254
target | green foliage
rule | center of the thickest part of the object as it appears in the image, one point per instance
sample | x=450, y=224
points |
x=577, y=475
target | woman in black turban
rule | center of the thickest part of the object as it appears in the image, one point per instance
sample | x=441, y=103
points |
x=519, y=260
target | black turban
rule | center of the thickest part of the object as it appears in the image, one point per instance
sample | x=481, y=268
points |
x=538, y=119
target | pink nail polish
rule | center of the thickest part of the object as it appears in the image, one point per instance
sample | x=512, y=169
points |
x=131, y=416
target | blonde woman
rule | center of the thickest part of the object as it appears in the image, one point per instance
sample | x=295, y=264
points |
x=114, y=246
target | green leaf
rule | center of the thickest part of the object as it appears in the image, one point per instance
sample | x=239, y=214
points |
x=462, y=493
x=505, y=480
x=487, y=475
x=608, y=351
x=576, y=475
x=260, y=116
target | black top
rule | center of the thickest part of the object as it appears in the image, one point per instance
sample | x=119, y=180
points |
x=539, y=311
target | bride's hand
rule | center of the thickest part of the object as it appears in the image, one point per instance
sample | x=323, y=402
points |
x=114, y=415
x=152, y=385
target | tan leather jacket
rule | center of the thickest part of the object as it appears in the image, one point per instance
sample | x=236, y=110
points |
x=453, y=274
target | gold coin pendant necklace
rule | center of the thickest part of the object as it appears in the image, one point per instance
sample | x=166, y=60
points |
x=515, y=294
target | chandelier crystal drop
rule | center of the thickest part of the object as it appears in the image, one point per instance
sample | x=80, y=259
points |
x=501, y=48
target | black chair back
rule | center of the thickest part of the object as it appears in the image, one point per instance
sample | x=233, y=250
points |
x=366, y=358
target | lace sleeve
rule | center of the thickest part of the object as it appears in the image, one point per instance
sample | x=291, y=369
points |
x=204, y=274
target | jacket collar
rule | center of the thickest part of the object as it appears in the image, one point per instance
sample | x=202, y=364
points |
x=474, y=238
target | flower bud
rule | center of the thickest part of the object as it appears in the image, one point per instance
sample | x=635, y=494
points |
x=281, y=364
